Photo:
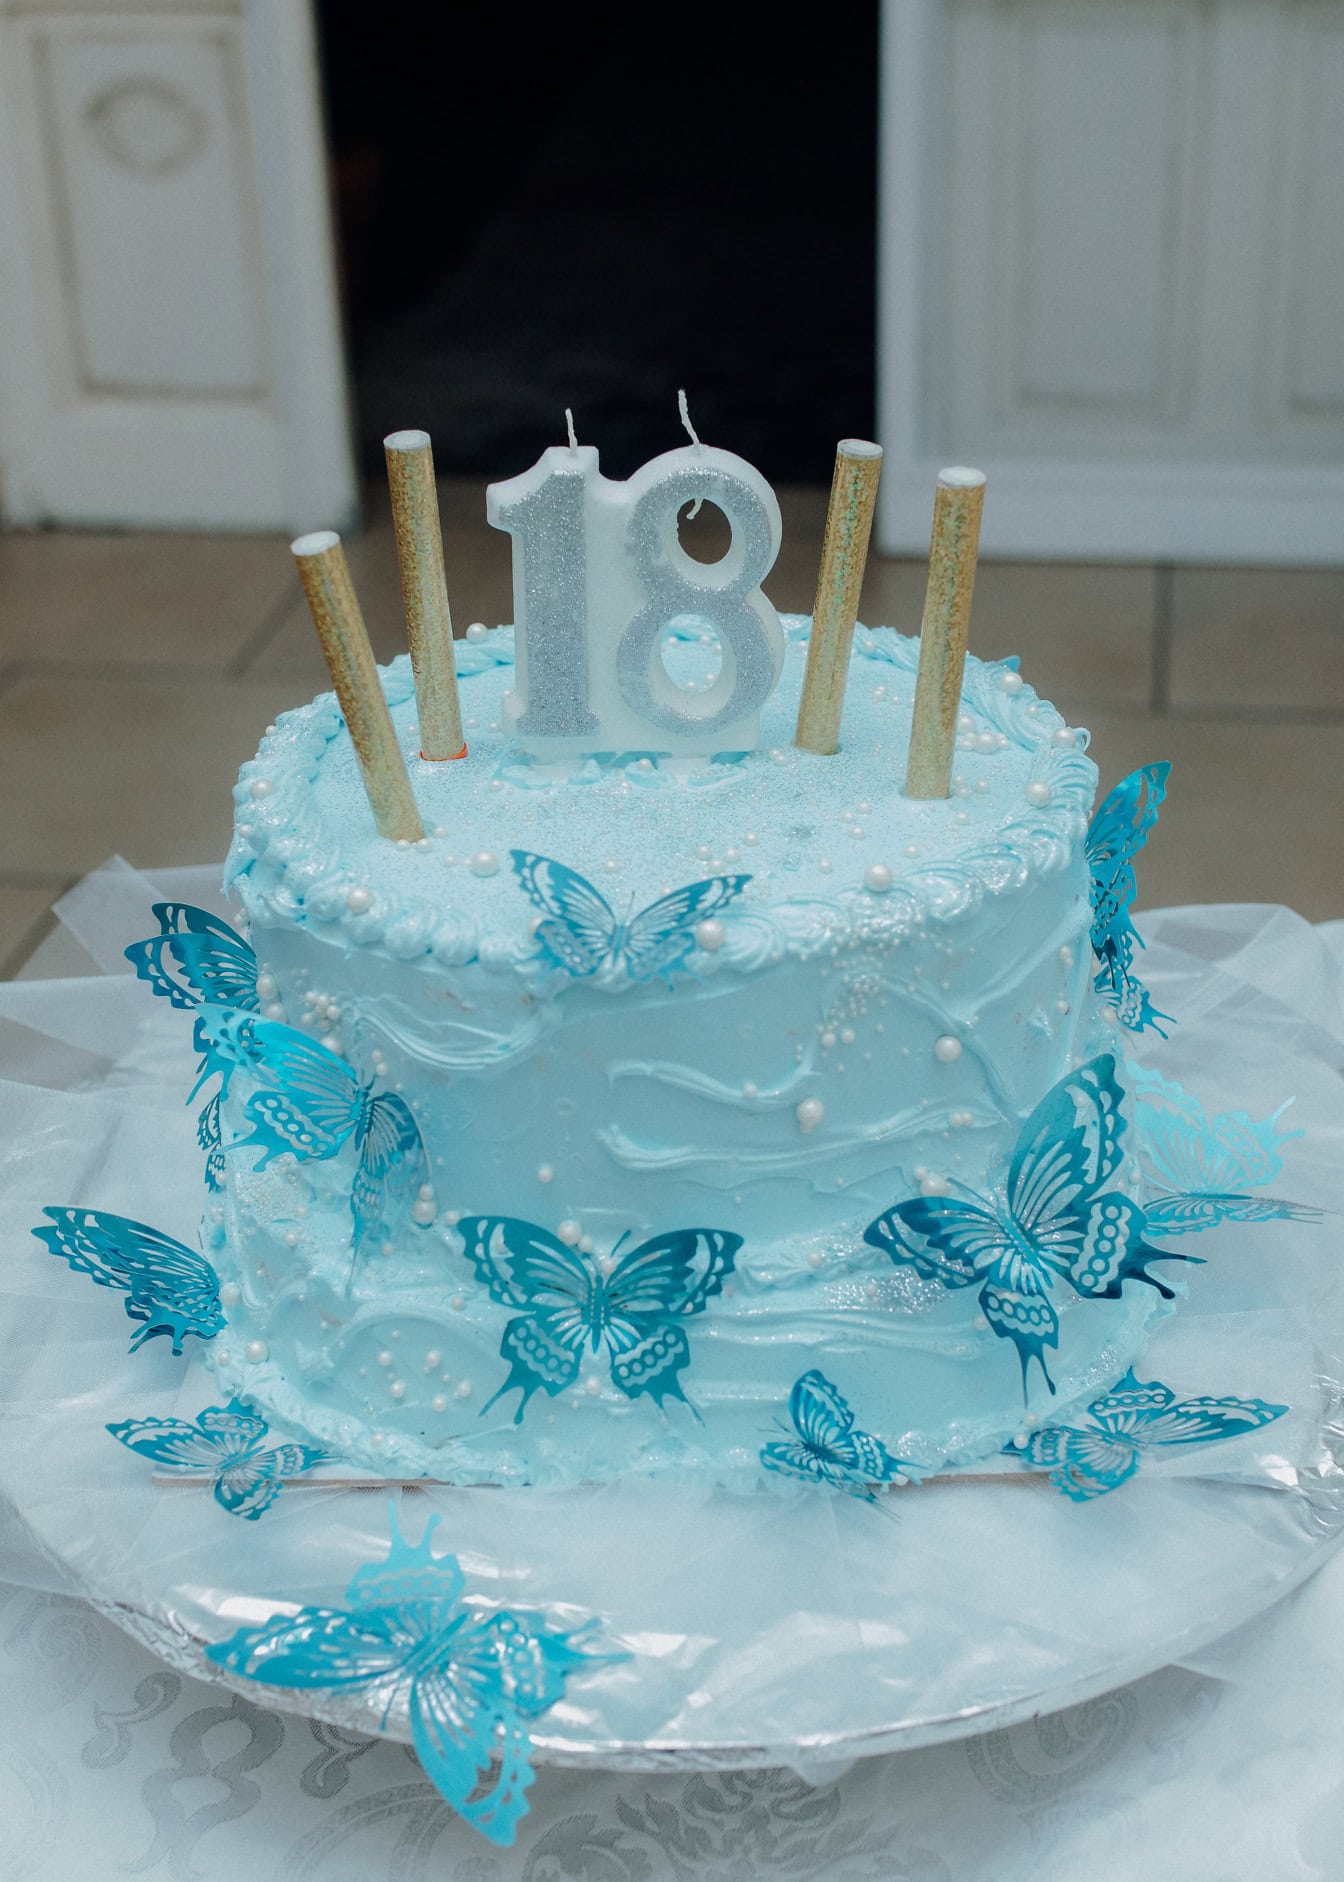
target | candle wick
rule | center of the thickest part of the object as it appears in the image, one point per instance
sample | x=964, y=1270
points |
x=695, y=440
x=686, y=419
x=569, y=427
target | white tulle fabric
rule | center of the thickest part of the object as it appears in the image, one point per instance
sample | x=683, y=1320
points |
x=764, y=1631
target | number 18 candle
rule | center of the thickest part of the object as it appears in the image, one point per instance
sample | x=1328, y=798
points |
x=599, y=574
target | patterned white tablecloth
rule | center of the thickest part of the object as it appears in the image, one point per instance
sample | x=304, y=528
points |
x=1228, y=1770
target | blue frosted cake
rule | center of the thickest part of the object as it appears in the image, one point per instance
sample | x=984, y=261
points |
x=590, y=1135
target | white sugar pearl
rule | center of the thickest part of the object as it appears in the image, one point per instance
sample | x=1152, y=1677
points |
x=457, y=1303
x=592, y=1385
x=751, y=837
x=750, y=1091
x=825, y=865
x=274, y=1011
x=960, y=1119
x=433, y=1361
x=485, y=863
x=986, y=741
x=1065, y=737
x=255, y=1352
x=827, y=1040
x=384, y=1358
x=709, y=935
x=934, y=1186
x=586, y=1245
x=462, y=1389
x=965, y=723
x=1038, y=793
x=1010, y=682
x=230, y=1294
x=423, y=1213
x=330, y=1043
x=877, y=878
x=704, y=852
x=477, y=631
x=396, y=1389
x=847, y=1036
x=358, y=901
x=809, y=1114
x=569, y=1233
x=947, y=1048
x=545, y=1174
x=452, y=1217
x=265, y=986
x=261, y=787
x=291, y=1238
x=815, y=1259
x=438, y=1403
x=1066, y=957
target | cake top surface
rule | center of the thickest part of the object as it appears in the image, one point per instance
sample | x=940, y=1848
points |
x=831, y=846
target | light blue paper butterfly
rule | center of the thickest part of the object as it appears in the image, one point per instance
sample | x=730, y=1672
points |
x=1088, y=1460
x=828, y=1446
x=1054, y=1220
x=633, y=1306
x=1199, y=1170
x=196, y=959
x=470, y=1682
x=1115, y=836
x=172, y=1289
x=580, y=932
x=226, y=1441
x=312, y=1103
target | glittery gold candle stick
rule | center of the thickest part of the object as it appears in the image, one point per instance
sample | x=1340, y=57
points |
x=844, y=556
x=957, y=505
x=429, y=624
x=354, y=674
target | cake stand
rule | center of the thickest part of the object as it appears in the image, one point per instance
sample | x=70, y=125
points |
x=760, y=1627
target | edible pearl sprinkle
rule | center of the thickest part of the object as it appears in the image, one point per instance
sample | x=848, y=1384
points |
x=396, y=1389
x=877, y=878
x=947, y=1048
x=934, y=1186
x=569, y=1233
x=592, y=1386
x=230, y=1294
x=433, y=1361
x=255, y=1352
x=1010, y=682
x=438, y=1403
x=485, y=863
x=810, y=1113
x=709, y=935
x=261, y=787
x=463, y=1389
x=477, y=631
x=358, y=901
x=545, y=1174
x=1065, y=737
x=1038, y=793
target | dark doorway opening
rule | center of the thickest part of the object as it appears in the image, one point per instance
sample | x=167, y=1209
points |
x=594, y=206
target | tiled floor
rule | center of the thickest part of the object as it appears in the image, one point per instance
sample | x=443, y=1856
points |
x=136, y=672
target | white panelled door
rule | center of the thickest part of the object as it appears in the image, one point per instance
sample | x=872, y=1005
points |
x=172, y=350
x=1113, y=273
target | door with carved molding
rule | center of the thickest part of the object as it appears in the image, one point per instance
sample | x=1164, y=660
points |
x=172, y=352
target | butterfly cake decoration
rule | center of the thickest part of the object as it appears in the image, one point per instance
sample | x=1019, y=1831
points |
x=227, y=1443
x=1054, y=1220
x=172, y=1289
x=1118, y=831
x=471, y=1682
x=579, y=933
x=826, y=1445
x=1088, y=1460
x=1199, y=1169
x=198, y=960
x=310, y=1103
x=565, y=1300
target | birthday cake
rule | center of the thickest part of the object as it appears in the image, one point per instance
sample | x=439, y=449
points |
x=589, y=1134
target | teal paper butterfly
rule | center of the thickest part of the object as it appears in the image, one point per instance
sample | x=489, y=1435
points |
x=198, y=960
x=633, y=1307
x=1115, y=836
x=311, y=1104
x=172, y=1289
x=581, y=934
x=470, y=1682
x=1199, y=1170
x=1087, y=1461
x=226, y=1442
x=828, y=1447
x=1055, y=1220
